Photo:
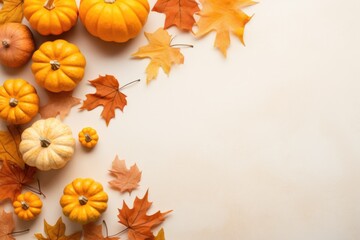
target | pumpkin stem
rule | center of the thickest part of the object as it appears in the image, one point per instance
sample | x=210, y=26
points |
x=44, y=142
x=49, y=4
x=83, y=200
x=13, y=102
x=5, y=43
x=87, y=137
x=24, y=205
x=55, y=65
x=109, y=1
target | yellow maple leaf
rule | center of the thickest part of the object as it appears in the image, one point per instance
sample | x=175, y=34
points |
x=161, y=52
x=160, y=235
x=223, y=16
x=12, y=11
x=9, y=146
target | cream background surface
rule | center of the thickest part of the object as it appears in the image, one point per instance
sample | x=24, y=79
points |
x=261, y=145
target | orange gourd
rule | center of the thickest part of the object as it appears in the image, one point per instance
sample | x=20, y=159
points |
x=88, y=137
x=27, y=206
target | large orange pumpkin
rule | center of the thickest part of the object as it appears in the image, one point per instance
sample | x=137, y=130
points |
x=114, y=20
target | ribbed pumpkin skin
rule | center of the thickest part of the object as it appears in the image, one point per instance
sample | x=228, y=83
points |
x=27, y=206
x=61, y=18
x=114, y=22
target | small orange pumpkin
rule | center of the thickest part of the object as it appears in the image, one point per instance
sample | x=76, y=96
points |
x=27, y=206
x=17, y=44
x=88, y=137
x=51, y=16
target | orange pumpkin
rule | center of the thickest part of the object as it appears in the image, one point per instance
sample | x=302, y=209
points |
x=114, y=20
x=51, y=16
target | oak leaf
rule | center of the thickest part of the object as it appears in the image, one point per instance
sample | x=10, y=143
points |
x=223, y=16
x=6, y=225
x=9, y=146
x=94, y=232
x=59, y=104
x=57, y=232
x=139, y=224
x=160, y=235
x=13, y=179
x=11, y=11
x=126, y=179
x=178, y=13
x=161, y=52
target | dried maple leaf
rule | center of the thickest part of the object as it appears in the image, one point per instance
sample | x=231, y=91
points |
x=223, y=16
x=161, y=52
x=6, y=225
x=59, y=104
x=139, y=224
x=57, y=232
x=126, y=179
x=11, y=11
x=9, y=146
x=13, y=178
x=160, y=235
x=94, y=232
x=108, y=95
x=178, y=13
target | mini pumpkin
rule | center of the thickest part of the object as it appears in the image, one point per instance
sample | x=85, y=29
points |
x=114, y=20
x=47, y=144
x=17, y=44
x=58, y=65
x=27, y=206
x=88, y=137
x=19, y=102
x=51, y=16
x=84, y=200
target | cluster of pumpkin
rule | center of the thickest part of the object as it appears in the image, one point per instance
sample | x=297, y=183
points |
x=59, y=66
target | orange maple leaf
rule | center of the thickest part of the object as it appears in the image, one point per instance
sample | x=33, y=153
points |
x=108, y=95
x=6, y=225
x=13, y=178
x=9, y=146
x=223, y=16
x=138, y=223
x=161, y=52
x=178, y=13
x=126, y=179
x=94, y=232
x=59, y=104
x=57, y=232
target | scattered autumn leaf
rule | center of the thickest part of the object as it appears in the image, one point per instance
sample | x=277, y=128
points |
x=12, y=11
x=9, y=146
x=59, y=104
x=178, y=13
x=94, y=232
x=13, y=178
x=139, y=224
x=6, y=225
x=161, y=52
x=160, y=235
x=126, y=179
x=223, y=16
x=108, y=95
x=57, y=232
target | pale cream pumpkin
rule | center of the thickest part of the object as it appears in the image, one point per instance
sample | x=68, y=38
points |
x=47, y=144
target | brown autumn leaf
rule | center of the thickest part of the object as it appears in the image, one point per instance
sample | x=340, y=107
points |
x=126, y=179
x=161, y=53
x=13, y=179
x=59, y=104
x=160, y=235
x=11, y=11
x=179, y=13
x=94, y=232
x=223, y=16
x=6, y=225
x=9, y=146
x=139, y=224
x=108, y=95
x=57, y=232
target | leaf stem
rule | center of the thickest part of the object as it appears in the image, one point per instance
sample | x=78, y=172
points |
x=35, y=190
x=182, y=45
x=106, y=229
x=137, y=80
x=19, y=232
x=119, y=232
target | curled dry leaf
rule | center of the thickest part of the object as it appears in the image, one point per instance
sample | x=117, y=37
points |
x=9, y=146
x=126, y=179
x=6, y=225
x=59, y=104
x=57, y=232
x=179, y=13
x=140, y=224
x=12, y=11
x=95, y=232
x=161, y=52
x=223, y=16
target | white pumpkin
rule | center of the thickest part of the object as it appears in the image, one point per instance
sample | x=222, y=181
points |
x=47, y=144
